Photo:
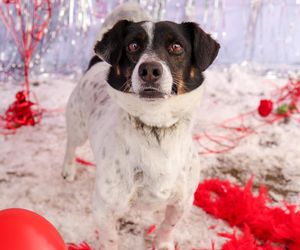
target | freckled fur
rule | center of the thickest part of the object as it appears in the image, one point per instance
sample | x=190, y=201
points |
x=143, y=150
x=159, y=152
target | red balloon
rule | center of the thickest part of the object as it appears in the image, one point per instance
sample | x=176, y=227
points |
x=22, y=229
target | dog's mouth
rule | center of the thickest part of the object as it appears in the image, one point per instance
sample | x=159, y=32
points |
x=152, y=93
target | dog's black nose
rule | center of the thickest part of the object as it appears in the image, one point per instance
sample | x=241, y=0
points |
x=150, y=72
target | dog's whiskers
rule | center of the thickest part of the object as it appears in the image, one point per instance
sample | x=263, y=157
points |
x=178, y=83
x=126, y=85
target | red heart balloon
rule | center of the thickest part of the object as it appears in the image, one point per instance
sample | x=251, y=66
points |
x=22, y=229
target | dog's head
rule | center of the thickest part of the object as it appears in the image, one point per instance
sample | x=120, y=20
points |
x=156, y=60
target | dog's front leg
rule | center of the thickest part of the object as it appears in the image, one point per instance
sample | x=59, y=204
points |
x=107, y=228
x=69, y=166
x=110, y=203
x=163, y=239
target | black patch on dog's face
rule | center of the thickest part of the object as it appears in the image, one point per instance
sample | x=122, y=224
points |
x=198, y=51
x=166, y=35
x=113, y=49
x=93, y=61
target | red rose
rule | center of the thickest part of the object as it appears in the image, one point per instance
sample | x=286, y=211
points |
x=265, y=107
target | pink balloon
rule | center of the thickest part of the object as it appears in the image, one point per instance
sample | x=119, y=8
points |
x=21, y=229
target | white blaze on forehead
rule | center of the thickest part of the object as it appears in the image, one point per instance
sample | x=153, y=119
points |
x=166, y=81
x=149, y=28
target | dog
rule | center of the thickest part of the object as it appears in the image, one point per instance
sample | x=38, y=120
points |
x=136, y=105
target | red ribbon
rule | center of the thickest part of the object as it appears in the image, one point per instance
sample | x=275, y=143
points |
x=286, y=99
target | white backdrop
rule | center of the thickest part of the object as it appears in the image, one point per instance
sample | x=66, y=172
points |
x=263, y=32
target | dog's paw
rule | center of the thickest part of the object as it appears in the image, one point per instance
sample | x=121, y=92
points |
x=69, y=173
x=165, y=245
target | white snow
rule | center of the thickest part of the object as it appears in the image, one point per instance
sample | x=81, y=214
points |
x=30, y=160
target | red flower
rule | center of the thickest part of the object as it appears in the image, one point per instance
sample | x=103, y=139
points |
x=265, y=107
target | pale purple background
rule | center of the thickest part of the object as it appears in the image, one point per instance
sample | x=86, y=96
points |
x=273, y=41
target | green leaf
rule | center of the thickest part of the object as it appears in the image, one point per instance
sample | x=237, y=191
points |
x=283, y=109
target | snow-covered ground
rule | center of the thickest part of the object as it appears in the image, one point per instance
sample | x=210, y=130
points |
x=30, y=160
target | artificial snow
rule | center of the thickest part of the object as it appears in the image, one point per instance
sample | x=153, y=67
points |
x=31, y=160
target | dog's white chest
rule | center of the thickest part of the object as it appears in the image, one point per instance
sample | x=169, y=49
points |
x=145, y=164
x=160, y=161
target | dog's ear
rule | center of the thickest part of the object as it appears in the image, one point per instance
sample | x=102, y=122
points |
x=110, y=47
x=204, y=48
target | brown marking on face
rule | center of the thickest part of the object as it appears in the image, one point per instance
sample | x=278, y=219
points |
x=127, y=87
x=192, y=73
x=181, y=88
x=118, y=72
x=180, y=85
x=141, y=36
x=127, y=73
x=169, y=37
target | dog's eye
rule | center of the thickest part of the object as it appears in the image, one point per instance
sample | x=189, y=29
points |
x=133, y=47
x=175, y=48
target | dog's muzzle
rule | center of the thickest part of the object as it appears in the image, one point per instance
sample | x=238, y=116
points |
x=150, y=74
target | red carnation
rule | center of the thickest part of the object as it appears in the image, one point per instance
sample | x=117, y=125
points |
x=265, y=107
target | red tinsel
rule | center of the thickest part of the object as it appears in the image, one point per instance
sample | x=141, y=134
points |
x=245, y=242
x=33, y=24
x=286, y=101
x=20, y=113
x=239, y=207
x=82, y=246
x=151, y=229
x=84, y=162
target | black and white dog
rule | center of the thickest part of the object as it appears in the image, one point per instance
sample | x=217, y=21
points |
x=136, y=106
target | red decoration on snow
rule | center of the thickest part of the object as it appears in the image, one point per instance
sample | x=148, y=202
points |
x=151, y=229
x=21, y=113
x=26, y=230
x=231, y=131
x=84, y=162
x=245, y=242
x=260, y=223
x=82, y=246
x=33, y=18
x=265, y=108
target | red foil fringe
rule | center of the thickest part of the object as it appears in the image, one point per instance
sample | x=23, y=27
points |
x=82, y=246
x=21, y=112
x=264, y=227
